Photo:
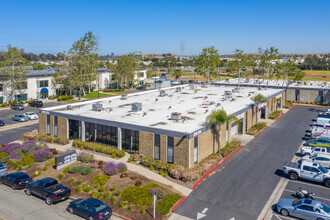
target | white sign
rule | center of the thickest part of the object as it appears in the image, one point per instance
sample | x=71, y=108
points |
x=195, y=134
x=155, y=198
x=240, y=116
x=44, y=112
x=201, y=215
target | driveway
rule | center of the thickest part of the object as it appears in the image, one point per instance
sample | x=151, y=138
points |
x=7, y=136
x=240, y=187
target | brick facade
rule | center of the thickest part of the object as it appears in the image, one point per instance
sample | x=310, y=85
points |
x=42, y=123
x=62, y=127
x=146, y=144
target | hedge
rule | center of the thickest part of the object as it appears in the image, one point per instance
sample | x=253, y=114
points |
x=4, y=157
x=276, y=114
x=64, y=97
x=230, y=147
x=98, y=148
x=44, y=137
x=256, y=128
x=139, y=195
x=165, y=205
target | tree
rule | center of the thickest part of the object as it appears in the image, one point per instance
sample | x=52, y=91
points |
x=257, y=99
x=124, y=70
x=150, y=73
x=14, y=73
x=217, y=118
x=177, y=74
x=169, y=62
x=208, y=61
x=239, y=62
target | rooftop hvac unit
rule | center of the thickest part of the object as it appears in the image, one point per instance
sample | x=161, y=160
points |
x=228, y=94
x=193, y=87
x=175, y=116
x=178, y=89
x=247, y=80
x=123, y=97
x=97, y=107
x=227, y=80
x=136, y=107
x=162, y=93
x=69, y=107
x=235, y=90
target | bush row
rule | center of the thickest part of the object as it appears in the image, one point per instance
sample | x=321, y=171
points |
x=112, y=168
x=44, y=137
x=230, y=147
x=64, y=97
x=140, y=196
x=276, y=114
x=98, y=148
x=165, y=205
x=256, y=128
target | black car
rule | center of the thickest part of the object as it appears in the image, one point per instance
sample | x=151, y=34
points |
x=48, y=189
x=36, y=103
x=17, y=107
x=16, y=180
x=90, y=209
x=143, y=87
x=2, y=123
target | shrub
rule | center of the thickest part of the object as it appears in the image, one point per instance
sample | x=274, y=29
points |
x=79, y=188
x=107, y=195
x=97, y=185
x=100, y=164
x=152, y=168
x=138, y=183
x=101, y=179
x=75, y=168
x=87, y=188
x=113, y=188
x=80, y=182
x=94, y=194
x=114, y=199
x=37, y=173
x=135, y=157
x=98, y=148
x=72, y=179
x=19, y=168
x=100, y=195
x=133, y=177
x=139, y=195
x=276, y=114
x=85, y=157
x=102, y=189
x=143, y=211
x=129, y=160
x=26, y=160
x=61, y=176
x=43, y=155
x=53, y=162
x=4, y=157
x=118, y=193
x=123, y=204
x=121, y=167
x=45, y=168
x=112, y=168
x=35, y=135
x=159, y=192
x=131, y=207
x=30, y=165
x=113, y=155
x=87, y=170
x=230, y=147
x=123, y=175
x=161, y=172
x=67, y=168
x=164, y=206
x=256, y=128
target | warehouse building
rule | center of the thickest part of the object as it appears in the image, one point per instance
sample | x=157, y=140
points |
x=166, y=124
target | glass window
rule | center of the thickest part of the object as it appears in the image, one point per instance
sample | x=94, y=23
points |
x=170, y=149
x=1, y=87
x=42, y=83
x=1, y=99
x=48, y=124
x=55, y=126
x=21, y=97
x=130, y=140
x=20, y=85
x=157, y=146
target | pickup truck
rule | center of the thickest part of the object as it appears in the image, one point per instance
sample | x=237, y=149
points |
x=308, y=171
x=309, y=150
x=323, y=119
x=48, y=189
x=321, y=131
x=3, y=170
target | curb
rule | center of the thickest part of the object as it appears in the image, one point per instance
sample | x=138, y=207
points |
x=206, y=174
x=260, y=131
x=178, y=203
x=279, y=117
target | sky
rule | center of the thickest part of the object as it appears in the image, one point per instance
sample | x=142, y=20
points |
x=168, y=26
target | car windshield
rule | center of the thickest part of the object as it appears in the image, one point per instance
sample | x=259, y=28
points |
x=296, y=202
x=100, y=206
x=22, y=176
x=325, y=208
x=323, y=169
x=21, y=116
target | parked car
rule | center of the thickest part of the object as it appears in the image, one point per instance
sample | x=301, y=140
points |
x=321, y=131
x=90, y=209
x=17, y=107
x=320, y=142
x=36, y=103
x=308, y=171
x=2, y=123
x=31, y=115
x=173, y=83
x=3, y=169
x=142, y=87
x=49, y=189
x=314, y=150
x=16, y=180
x=303, y=208
x=20, y=118
x=322, y=159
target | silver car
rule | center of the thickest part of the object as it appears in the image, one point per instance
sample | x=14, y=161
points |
x=31, y=115
x=304, y=209
x=20, y=118
x=321, y=158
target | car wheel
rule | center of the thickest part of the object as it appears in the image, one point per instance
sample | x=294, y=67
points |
x=293, y=176
x=327, y=183
x=284, y=212
x=49, y=200
x=13, y=186
x=90, y=218
x=307, y=154
x=70, y=209
x=28, y=192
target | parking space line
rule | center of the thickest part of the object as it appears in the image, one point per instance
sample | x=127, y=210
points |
x=313, y=196
x=309, y=184
x=285, y=217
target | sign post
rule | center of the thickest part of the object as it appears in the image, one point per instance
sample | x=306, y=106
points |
x=155, y=198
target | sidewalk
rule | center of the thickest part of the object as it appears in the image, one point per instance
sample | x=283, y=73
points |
x=184, y=191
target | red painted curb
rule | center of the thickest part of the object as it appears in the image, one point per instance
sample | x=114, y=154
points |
x=260, y=131
x=279, y=117
x=178, y=203
x=123, y=217
x=206, y=174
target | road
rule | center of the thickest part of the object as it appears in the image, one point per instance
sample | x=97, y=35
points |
x=15, y=133
x=240, y=187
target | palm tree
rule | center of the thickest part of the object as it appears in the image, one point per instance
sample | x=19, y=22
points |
x=177, y=74
x=257, y=100
x=219, y=118
x=278, y=102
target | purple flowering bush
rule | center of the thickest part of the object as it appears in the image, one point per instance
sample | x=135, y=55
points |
x=17, y=151
x=85, y=157
x=111, y=168
x=43, y=155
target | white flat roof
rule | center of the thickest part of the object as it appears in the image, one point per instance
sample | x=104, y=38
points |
x=157, y=114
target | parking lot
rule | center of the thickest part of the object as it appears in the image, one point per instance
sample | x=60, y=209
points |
x=7, y=114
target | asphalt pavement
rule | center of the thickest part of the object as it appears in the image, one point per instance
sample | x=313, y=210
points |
x=15, y=133
x=240, y=187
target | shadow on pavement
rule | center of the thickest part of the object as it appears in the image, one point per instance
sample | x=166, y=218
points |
x=280, y=173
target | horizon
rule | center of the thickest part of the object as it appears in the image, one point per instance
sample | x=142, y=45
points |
x=179, y=27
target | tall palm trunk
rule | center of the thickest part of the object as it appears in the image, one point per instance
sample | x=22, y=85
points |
x=219, y=144
x=257, y=114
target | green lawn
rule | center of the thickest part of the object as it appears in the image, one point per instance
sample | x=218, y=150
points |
x=69, y=100
x=312, y=75
x=94, y=95
x=117, y=92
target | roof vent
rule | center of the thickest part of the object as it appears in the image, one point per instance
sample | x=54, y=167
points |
x=178, y=89
x=227, y=80
x=228, y=94
x=123, y=97
x=97, y=107
x=175, y=116
x=69, y=107
x=193, y=87
x=136, y=107
x=235, y=90
x=162, y=93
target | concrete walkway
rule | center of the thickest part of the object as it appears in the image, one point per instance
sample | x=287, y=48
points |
x=184, y=191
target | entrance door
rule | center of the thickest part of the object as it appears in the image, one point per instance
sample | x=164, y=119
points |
x=240, y=127
x=196, y=150
x=74, y=129
x=234, y=129
x=263, y=113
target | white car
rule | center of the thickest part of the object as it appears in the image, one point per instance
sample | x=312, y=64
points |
x=31, y=115
x=321, y=158
x=308, y=150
